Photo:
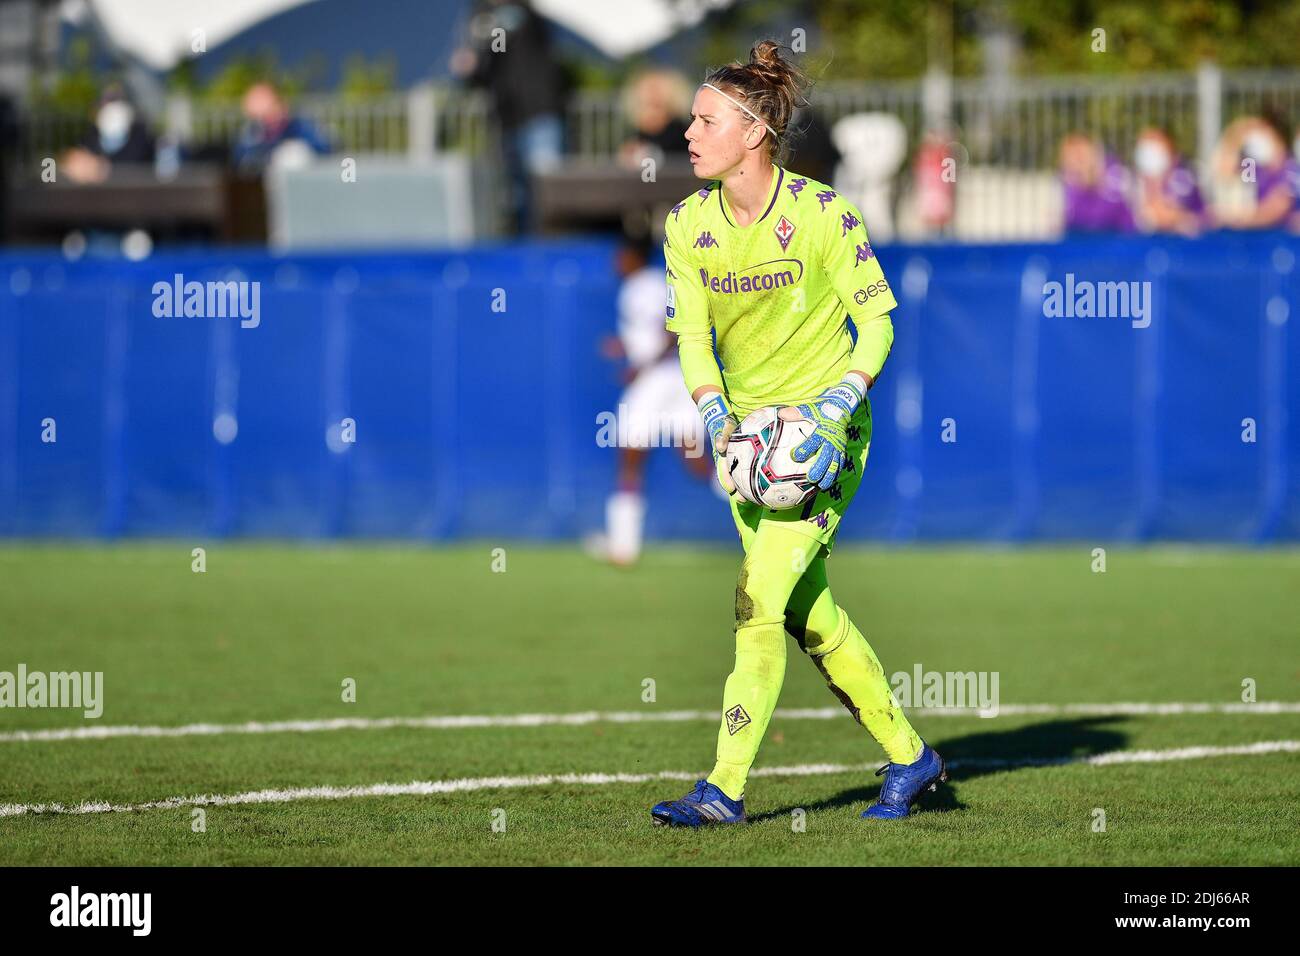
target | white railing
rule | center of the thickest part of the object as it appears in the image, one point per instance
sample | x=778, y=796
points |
x=1019, y=122
x=1009, y=131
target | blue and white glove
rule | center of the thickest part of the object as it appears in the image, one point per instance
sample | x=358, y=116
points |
x=719, y=423
x=830, y=411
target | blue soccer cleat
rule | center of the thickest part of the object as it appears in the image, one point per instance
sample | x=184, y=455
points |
x=703, y=806
x=904, y=782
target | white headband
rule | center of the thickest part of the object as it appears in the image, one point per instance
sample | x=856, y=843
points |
x=757, y=118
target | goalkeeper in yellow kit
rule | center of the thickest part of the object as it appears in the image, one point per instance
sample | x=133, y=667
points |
x=773, y=263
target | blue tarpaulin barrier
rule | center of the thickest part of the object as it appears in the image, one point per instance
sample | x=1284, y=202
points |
x=475, y=389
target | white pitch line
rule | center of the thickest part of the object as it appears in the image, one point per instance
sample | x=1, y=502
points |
x=421, y=788
x=458, y=722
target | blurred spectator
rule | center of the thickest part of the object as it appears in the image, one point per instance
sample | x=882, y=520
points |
x=1095, y=188
x=812, y=152
x=655, y=102
x=1168, y=198
x=873, y=148
x=8, y=154
x=519, y=69
x=117, y=136
x=1253, y=149
x=934, y=171
x=272, y=133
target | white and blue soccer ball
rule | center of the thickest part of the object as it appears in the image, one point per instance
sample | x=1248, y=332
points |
x=758, y=459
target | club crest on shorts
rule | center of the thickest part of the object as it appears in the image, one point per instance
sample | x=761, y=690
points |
x=737, y=719
x=784, y=229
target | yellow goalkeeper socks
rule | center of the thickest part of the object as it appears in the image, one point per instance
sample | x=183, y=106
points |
x=855, y=676
x=747, y=703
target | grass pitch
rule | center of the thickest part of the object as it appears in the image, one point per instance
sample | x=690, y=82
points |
x=270, y=633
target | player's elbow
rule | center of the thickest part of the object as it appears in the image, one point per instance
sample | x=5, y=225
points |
x=694, y=339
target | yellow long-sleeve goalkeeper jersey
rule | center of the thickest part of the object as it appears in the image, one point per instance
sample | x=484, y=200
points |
x=777, y=292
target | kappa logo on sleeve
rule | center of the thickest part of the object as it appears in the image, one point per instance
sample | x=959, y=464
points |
x=672, y=301
x=737, y=719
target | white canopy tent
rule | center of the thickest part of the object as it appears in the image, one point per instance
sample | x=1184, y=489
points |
x=621, y=28
x=161, y=33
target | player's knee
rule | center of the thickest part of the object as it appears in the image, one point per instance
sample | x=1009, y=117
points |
x=756, y=603
x=798, y=608
x=825, y=629
x=796, y=625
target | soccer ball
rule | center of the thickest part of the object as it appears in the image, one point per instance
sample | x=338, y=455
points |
x=759, y=462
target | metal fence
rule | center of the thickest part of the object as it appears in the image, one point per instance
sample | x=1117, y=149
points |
x=1010, y=136
x=441, y=118
x=1008, y=131
x=424, y=119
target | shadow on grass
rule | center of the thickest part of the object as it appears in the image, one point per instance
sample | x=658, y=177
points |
x=976, y=755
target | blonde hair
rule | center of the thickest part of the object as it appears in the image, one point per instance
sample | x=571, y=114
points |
x=769, y=85
x=674, y=87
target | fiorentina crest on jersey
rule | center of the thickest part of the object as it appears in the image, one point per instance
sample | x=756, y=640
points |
x=784, y=229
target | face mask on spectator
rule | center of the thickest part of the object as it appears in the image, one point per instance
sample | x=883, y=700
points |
x=114, y=124
x=1151, y=158
x=1260, y=147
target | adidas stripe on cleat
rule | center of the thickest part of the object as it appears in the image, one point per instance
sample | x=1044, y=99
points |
x=705, y=805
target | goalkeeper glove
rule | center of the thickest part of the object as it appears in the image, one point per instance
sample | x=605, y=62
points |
x=830, y=411
x=719, y=423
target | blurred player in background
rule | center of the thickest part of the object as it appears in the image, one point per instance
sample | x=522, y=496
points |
x=775, y=262
x=655, y=410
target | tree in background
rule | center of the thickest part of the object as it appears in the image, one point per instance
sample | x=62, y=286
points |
x=75, y=87
x=895, y=39
x=240, y=73
x=1156, y=34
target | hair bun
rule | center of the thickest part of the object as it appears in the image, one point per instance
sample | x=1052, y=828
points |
x=769, y=85
x=766, y=53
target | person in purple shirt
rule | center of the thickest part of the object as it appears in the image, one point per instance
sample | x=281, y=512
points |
x=1096, y=188
x=1169, y=199
x=1255, y=147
